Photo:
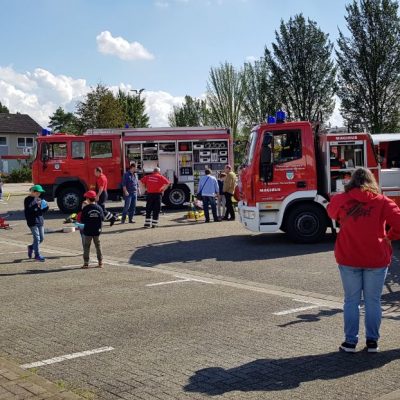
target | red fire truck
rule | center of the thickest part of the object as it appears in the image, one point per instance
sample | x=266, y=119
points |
x=291, y=171
x=64, y=164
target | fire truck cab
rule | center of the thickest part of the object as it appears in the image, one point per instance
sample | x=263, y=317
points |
x=64, y=164
x=291, y=171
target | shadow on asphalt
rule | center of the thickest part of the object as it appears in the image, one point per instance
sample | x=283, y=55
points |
x=301, y=318
x=21, y=260
x=287, y=373
x=40, y=271
x=244, y=247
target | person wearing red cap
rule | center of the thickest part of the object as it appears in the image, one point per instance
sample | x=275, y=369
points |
x=92, y=219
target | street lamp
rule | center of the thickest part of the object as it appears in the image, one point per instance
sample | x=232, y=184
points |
x=138, y=92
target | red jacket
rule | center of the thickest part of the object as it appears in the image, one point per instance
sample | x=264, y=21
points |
x=154, y=182
x=363, y=217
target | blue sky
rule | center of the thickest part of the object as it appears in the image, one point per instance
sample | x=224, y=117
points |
x=53, y=51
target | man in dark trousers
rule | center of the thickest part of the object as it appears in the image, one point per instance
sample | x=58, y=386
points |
x=92, y=218
x=102, y=196
x=130, y=188
x=155, y=185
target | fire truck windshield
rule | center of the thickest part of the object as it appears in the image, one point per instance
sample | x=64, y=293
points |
x=251, y=146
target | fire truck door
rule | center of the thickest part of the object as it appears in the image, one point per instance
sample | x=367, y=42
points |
x=289, y=163
x=105, y=153
x=78, y=165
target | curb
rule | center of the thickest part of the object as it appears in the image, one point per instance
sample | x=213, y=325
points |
x=16, y=383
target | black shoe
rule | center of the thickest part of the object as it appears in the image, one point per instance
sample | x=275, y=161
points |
x=112, y=221
x=225, y=219
x=131, y=221
x=372, y=346
x=348, y=347
x=207, y=220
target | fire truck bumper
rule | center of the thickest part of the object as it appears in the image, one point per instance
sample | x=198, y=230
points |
x=249, y=217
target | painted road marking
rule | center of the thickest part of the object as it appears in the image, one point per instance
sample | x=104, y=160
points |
x=181, y=279
x=13, y=252
x=322, y=300
x=294, y=310
x=66, y=357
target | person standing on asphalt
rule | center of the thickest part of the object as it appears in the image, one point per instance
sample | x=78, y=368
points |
x=363, y=251
x=130, y=187
x=102, y=196
x=208, y=187
x=229, y=189
x=221, y=198
x=155, y=185
x=92, y=219
x=34, y=207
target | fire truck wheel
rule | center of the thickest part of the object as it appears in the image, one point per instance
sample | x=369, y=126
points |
x=306, y=223
x=176, y=197
x=69, y=200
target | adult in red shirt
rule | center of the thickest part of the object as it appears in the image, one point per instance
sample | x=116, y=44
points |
x=155, y=184
x=102, y=196
x=363, y=251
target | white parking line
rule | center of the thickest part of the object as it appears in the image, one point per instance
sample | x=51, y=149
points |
x=180, y=280
x=294, y=310
x=66, y=357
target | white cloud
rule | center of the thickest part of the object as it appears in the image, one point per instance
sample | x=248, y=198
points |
x=336, y=120
x=120, y=47
x=40, y=93
x=251, y=59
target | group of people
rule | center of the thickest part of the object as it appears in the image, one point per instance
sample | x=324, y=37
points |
x=363, y=247
x=217, y=194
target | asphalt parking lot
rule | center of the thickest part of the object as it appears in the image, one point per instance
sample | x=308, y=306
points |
x=187, y=311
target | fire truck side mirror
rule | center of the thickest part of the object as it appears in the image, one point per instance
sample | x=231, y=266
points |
x=266, y=165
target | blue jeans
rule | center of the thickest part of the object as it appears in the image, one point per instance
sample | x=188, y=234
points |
x=368, y=282
x=210, y=200
x=38, y=236
x=129, y=206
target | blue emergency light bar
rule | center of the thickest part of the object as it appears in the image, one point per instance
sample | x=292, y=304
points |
x=280, y=116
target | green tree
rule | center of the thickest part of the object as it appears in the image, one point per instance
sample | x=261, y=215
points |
x=369, y=65
x=225, y=95
x=100, y=109
x=192, y=112
x=4, y=109
x=62, y=121
x=302, y=70
x=259, y=94
x=134, y=110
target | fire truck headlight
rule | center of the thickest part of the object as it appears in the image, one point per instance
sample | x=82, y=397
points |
x=249, y=214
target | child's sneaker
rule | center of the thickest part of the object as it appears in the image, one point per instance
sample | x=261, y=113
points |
x=372, y=346
x=40, y=258
x=348, y=347
x=30, y=251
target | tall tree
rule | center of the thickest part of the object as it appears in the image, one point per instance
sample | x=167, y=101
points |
x=192, y=112
x=100, y=109
x=259, y=98
x=134, y=110
x=62, y=121
x=4, y=109
x=225, y=94
x=302, y=69
x=369, y=65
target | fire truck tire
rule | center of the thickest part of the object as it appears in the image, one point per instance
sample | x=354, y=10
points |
x=306, y=223
x=176, y=196
x=69, y=200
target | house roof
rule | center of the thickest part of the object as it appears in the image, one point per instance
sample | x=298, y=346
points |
x=18, y=123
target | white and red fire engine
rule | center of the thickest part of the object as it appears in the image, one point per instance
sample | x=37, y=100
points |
x=291, y=171
x=64, y=164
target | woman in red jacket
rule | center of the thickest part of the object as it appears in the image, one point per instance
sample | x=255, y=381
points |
x=363, y=251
